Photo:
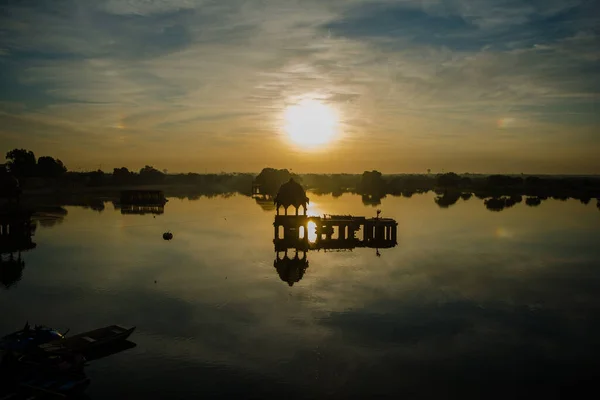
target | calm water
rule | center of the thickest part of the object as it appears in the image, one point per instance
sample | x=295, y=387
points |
x=470, y=302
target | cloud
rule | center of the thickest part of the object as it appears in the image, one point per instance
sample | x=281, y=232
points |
x=212, y=73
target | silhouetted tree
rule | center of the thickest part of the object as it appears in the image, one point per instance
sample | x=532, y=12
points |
x=448, y=180
x=504, y=181
x=21, y=163
x=271, y=179
x=122, y=176
x=372, y=183
x=48, y=167
x=533, y=181
x=149, y=174
x=96, y=178
x=465, y=182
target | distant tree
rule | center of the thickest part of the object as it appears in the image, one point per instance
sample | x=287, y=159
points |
x=271, y=179
x=149, y=174
x=96, y=178
x=448, y=180
x=465, y=182
x=21, y=163
x=122, y=176
x=48, y=167
x=372, y=183
x=504, y=181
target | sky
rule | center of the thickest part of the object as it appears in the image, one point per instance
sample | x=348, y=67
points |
x=488, y=86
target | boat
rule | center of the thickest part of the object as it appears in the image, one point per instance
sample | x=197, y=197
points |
x=44, y=340
x=42, y=362
x=88, y=341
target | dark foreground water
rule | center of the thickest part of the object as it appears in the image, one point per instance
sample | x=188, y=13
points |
x=470, y=303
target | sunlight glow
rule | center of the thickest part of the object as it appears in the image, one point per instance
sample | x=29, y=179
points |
x=310, y=123
x=312, y=235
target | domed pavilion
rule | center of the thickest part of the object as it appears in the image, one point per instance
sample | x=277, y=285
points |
x=291, y=194
x=291, y=269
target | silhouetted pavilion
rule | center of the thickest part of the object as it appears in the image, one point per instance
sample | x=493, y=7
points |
x=291, y=194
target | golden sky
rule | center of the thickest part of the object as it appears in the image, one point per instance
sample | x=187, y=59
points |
x=398, y=86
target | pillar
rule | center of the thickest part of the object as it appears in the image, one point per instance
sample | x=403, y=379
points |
x=379, y=232
x=276, y=234
x=394, y=234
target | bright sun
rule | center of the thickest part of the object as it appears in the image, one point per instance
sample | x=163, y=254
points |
x=310, y=123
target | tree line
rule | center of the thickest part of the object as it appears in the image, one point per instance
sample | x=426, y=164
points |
x=505, y=190
x=23, y=164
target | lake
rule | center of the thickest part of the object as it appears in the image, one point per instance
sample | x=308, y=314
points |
x=470, y=302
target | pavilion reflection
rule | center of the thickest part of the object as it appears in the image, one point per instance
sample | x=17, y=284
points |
x=297, y=234
x=141, y=202
x=16, y=231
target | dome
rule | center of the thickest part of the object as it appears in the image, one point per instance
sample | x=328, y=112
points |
x=291, y=270
x=291, y=194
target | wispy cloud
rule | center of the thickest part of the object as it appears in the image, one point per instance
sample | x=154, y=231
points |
x=173, y=76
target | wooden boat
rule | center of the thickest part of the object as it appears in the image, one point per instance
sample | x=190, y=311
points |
x=88, y=341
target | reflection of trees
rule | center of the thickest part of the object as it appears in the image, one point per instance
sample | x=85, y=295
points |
x=447, y=199
x=466, y=195
x=16, y=231
x=598, y=204
x=500, y=203
x=265, y=202
x=372, y=199
x=48, y=217
x=11, y=269
x=533, y=201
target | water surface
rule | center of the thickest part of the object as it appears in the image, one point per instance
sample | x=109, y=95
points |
x=471, y=302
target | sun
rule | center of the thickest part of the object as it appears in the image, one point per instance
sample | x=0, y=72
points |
x=310, y=123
